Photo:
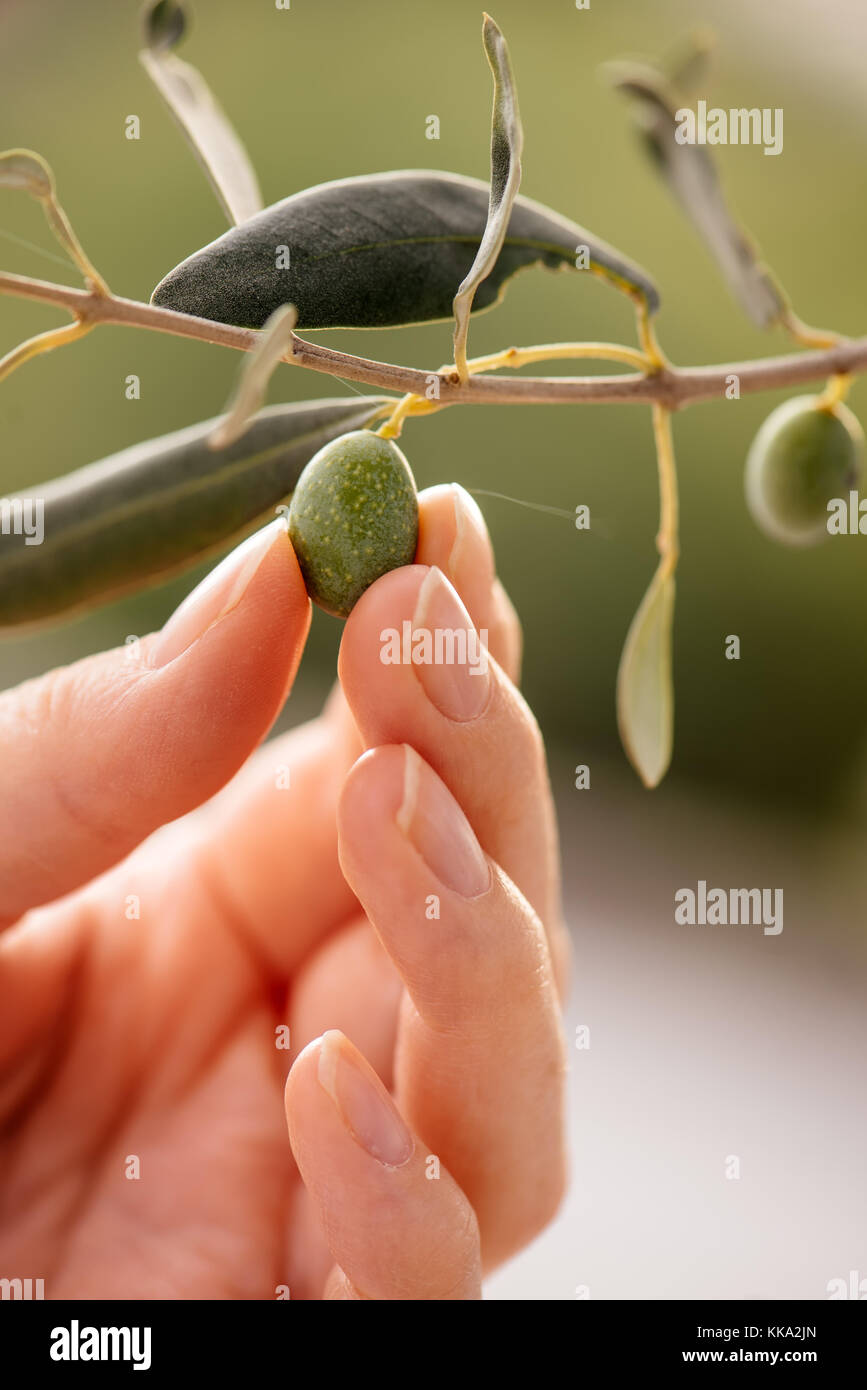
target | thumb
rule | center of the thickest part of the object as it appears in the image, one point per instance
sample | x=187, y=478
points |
x=95, y=756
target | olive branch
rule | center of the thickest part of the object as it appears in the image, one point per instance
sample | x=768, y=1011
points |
x=669, y=386
x=266, y=450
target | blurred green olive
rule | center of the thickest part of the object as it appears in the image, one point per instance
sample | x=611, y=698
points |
x=353, y=517
x=801, y=458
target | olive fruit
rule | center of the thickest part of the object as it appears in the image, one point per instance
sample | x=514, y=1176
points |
x=353, y=517
x=803, y=456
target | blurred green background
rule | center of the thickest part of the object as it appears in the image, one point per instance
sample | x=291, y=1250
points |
x=334, y=88
x=709, y=1042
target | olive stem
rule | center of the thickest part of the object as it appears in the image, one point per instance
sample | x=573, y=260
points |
x=805, y=336
x=521, y=357
x=43, y=342
x=647, y=337
x=65, y=236
x=667, y=540
x=670, y=386
x=412, y=405
x=835, y=392
x=837, y=388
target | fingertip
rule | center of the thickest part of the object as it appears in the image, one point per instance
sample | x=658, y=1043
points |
x=299, y=1089
x=226, y=660
x=393, y=1233
x=453, y=536
x=254, y=592
x=308, y=1057
x=338, y=1288
x=373, y=789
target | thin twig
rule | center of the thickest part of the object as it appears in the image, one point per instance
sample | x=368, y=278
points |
x=672, y=387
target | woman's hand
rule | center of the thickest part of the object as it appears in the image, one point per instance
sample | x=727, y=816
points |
x=145, y=1016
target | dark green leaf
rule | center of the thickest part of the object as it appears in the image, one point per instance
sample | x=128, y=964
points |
x=507, y=140
x=377, y=251
x=155, y=509
x=692, y=177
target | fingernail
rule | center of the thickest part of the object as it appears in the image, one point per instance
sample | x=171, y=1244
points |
x=435, y=824
x=364, y=1105
x=452, y=666
x=216, y=596
x=471, y=534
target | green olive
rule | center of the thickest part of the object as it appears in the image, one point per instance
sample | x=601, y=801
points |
x=801, y=458
x=353, y=517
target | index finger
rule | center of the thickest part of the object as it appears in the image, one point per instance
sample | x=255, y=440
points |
x=94, y=757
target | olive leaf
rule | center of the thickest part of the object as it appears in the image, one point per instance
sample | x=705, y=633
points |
x=507, y=140
x=686, y=64
x=155, y=509
x=208, y=130
x=256, y=371
x=645, y=690
x=377, y=251
x=692, y=178
x=26, y=171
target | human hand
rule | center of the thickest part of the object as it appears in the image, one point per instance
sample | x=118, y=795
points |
x=141, y=1014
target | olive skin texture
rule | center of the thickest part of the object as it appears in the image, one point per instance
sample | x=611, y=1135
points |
x=352, y=518
x=800, y=459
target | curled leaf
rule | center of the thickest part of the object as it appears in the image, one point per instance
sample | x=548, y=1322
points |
x=688, y=61
x=376, y=251
x=206, y=126
x=164, y=24
x=507, y=139
x=26, y=171
x=645, y=689
x=29, y=172
x=256, y=371
x=153, y=510
x=692, y=177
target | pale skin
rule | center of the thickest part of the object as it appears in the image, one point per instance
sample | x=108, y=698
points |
x=168, y=904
